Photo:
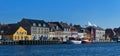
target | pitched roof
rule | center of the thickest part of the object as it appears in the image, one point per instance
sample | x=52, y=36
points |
x=54, y=25
x=61, y=25
x=79, y=28
x=30, y=22
x=9, y=29
x=97, y=28
x=64, y=25
x=73, y=28
x=27, y=23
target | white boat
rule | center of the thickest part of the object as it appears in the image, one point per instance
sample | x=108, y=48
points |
x=74, y=41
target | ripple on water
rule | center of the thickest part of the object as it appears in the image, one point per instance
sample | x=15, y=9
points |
x=101, y=49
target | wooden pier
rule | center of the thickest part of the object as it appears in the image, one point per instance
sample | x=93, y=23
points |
x=32, y=42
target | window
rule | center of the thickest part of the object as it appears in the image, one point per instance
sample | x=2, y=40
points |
x=65, y=29
x=15, y=37
x=39, y=24
x=17, y=33
x=57, y=27
x=25, y=32
x=44, y=25
x=34, y=38
x=34, y=24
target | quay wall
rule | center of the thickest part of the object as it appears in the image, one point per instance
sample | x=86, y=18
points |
x=103, y=41
x=35, y=42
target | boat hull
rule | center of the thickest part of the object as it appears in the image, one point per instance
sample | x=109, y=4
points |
x=86, y=42
x=74, y=42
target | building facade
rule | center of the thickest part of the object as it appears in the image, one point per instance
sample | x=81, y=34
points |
x=66, y=31
x=56, y=32
x=38, y=29
x=21, y=34
x=14, y=32
x=96, y=33
x=100, y=34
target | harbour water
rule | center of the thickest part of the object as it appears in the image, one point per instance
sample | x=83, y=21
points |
x=97, y=49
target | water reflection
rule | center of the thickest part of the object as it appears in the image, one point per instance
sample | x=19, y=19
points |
x=106, y=49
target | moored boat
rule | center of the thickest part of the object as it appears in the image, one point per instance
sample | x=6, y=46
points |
x=86, y=42
x=74, y=41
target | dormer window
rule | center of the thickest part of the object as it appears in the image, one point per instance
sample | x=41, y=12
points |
x=64, y=29
x=34, y=24
x=39, y=24
x=67, y=29
x=57, y=27
x=44, y=25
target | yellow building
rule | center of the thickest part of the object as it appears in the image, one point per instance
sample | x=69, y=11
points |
x=21, y=34
x=16, y=33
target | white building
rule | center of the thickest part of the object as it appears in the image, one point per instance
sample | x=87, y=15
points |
x=100, y=34
x=81, y=35
x=59, y=30
x=38, y=29
x=96, y=33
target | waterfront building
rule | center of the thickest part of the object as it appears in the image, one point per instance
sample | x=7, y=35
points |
x=100, y=34
x=55, y=31
x=81, y=31
x=66, y=31
x=59, y=30
x=14, y=32
x=38, y=29
x=1, y=30
x=110, y=34
x=96, y=33
x=74, y=32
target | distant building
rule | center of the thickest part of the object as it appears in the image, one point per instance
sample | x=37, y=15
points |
x=55, y=31
x=110, y=34
x=81, y=31
x=96, y=33
x=15, y=32
x=74, y=31
x=38, y=29
x=2, y=26
x=66, y=30
x=59, y=30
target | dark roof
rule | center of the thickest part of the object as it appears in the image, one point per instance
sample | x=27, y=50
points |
x=30, y=22
x=61, y=25
x=96, y=28
x=9, y=29
x=64, y=25
x=72, y=28
x=54, y=25
x=27, y=23
x=79, y=28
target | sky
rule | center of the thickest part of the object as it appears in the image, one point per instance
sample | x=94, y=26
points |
x=104, y=13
